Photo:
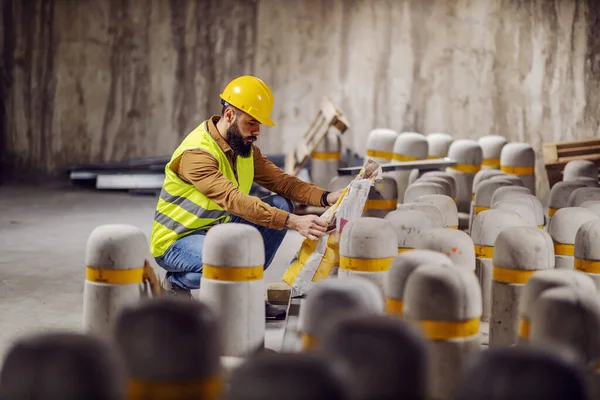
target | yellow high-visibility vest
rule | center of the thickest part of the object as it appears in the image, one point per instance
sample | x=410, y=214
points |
x=182, y=208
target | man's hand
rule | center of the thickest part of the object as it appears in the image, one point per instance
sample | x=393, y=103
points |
x=334, y=196
x=309, y=226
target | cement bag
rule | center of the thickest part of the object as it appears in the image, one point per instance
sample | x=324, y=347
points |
x=318, y=259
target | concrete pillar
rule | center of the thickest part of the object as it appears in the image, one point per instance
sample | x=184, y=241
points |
x=579, y=169
x=518, y=254
x=380, y=143
x=483, y=196
x=508, y=192
x=468, y=155
x=491, y=146
x=400, y=270
x=373, y=351
x=438, y=144
x=519, y=159
x=480, y=176
x=487, y=225
x=61, y=365
x=449, y=189
x=542, y=281
x=290, y=376
x=420, y=188
x=232, y=285
x=457, y=245
x=521, y=373
x=367, y=248
x=445, y=303
x=340, y=182
x=383, y=198
x=559, y=195
x=409, y=146
x=331, y=299
x=563, y=229
x=444, y=175
x=408, y=224
x=580, y=195
x=325, y=160
x=534, y=203
x=446, y=205
x=433, y=212
x=521, y=208
x=593, y=205
x=587, y=251
x=171, y=348
x=115, y=258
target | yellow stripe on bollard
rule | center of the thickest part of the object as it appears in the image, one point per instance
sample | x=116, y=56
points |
x=335, y=155
x=517, y=170
x=232, y=274
x=365, y=264
x=434, y=157
x=444, y=330
x=394, y=306
x=381, y=204
x=506, y=275
x=467, y=168
x=484, y=251
x=380, y=154
x=454, y=227
x=403, y=157
x=540, y=226
x=552, y=211
x=561, y=249
x=404, y=249
x=479, y=209
x=308, y=341
x=114, y=276
x=491, y=162
x=589, y=266
x=210, y=388
x=524, y=328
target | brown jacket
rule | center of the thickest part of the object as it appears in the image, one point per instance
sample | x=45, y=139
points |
x=202, y=170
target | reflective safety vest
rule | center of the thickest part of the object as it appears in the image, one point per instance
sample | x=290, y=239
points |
x=182, y=208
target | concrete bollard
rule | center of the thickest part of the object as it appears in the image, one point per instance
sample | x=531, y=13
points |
x=487, y=225
x=232, y=285
x=468, y=155
x=290, y=376
x=438, y=145
x=380, y=143
x=444, y=175
x=587, y=251
x=483, y=196
x=519, y=159
x=542, y=281
x=325, y=160
x=171, y=348
x=520, y=373
x=515, y=180
x=534, y=203
x=593, y=205
x=559, y=196
x=449, y=190
x=580, y=169
x=507, y=193
x=331, y=299
x=481, y=176
x=524, y=210
x=518, y=254
x=367, y=248
x=563, y=229
x=587, y=181
x=372, y=351
x=340, y=182
x=408, y=224
x=445, y=303
x=457, y=245
x=409, y=146
x=446, y=205
x=420, y=188
x=583, y=194
x=400, y=270
x=491, y=146
x=115, y=258
x=61, y=365
x=434, y=214
x=383, y=198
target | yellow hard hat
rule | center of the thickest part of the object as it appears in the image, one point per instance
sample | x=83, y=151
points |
x=252, y=96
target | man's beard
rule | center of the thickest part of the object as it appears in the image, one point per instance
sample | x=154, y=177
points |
x=239, y=145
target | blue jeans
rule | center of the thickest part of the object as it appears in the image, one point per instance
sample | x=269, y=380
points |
x=183, y=260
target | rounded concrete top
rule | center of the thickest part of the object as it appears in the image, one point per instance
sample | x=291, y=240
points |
x=446, y=205
x=580, y=195
x=589, y=182
x=386, y=188
x=533, y=202
x=438, y=293
x=449, y=189
x=340, y=182
x=580, y=168
x=438, y=144
x=330, y=144
x=593, y=205
x=483, y=175
x=457, y=245
x=524, y=248
x=466, y=151
x=380, y=143
x=549, y=279
x=486, y=189
x=508, y=192
x=420, y=188
x=524, y=210
x=369, y=238
x=491, y=146
x=233, y=245
x=586, y=241
x=442, y=174
x=566, y=222
x=411, y=144
x=408, y=224
x=488, y=224
x=405, y=264
x=116, y=247
x=560, y=192
x=517, y=155
x=433, y=212
x=514, y=179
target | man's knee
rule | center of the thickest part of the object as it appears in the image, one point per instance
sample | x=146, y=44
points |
x=282, y=203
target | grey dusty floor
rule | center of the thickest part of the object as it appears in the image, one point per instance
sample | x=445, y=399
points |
x=43, y=235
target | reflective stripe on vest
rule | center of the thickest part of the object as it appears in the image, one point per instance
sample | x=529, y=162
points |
x=183, y=209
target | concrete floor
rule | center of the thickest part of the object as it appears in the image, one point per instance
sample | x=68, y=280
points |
x=43, y=235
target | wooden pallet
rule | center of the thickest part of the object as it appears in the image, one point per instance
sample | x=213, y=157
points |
x=327, y=117
x=557, y=155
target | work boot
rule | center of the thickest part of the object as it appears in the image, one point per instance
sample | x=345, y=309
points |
x=173, y=290
x=274, y=312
